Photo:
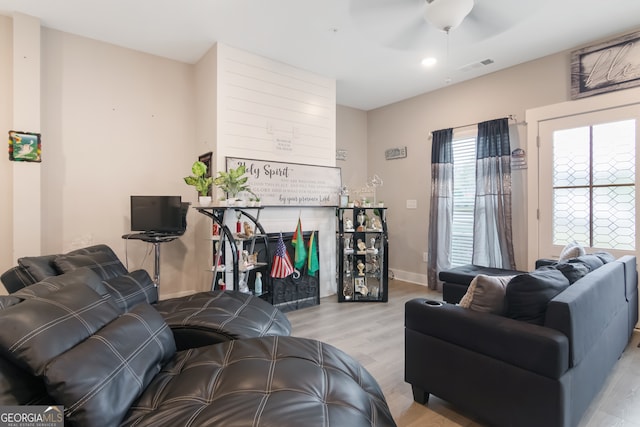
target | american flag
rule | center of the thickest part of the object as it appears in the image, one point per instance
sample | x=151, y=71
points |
x=282, y=266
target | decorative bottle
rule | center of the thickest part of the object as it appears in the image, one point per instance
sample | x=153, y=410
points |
x=257, y=286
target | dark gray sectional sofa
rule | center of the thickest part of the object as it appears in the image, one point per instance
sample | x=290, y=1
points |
x=93, y=339
x=541, y=362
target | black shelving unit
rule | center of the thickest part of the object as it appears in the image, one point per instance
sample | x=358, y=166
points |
x=235, y=268
x=289, y=293
x=362, y=264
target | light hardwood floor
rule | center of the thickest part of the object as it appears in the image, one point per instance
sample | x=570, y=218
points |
x=373, y=333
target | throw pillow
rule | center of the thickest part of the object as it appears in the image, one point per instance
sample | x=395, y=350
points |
x=54, y=283
x=571, y=250
x=487, y=294
x=573, y=271
x=132, y=289
x=39, y=329
x=105, y=264
x=605, y=257
x=38, y=267
x=592, y=262
x=465, y=301
x=528, y=294
x=98, y=380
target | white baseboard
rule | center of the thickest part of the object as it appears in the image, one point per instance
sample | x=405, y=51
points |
x=408, y=276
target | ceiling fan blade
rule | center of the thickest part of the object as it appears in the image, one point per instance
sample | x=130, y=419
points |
x=490, y=18
x=397, y=24
x=415, y=36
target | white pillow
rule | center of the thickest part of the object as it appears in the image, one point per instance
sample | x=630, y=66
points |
x=486, y=294
x=571, y=250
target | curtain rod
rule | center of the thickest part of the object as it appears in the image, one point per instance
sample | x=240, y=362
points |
x=510, y=117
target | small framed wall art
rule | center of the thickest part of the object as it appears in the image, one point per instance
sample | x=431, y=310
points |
x=24, y=146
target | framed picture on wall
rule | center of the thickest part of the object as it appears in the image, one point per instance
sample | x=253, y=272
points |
x=606, y=67
x=206, y=159
x=24, y=146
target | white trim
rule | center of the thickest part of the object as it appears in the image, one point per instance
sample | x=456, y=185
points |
x=409, y=276
x=533, y=118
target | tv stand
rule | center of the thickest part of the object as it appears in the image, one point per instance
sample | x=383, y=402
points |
x=155, y=240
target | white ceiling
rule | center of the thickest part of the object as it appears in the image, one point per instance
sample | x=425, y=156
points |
x=372, y=48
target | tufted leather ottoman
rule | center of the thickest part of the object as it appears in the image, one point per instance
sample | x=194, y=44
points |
x=269, y=381
x=212, y=317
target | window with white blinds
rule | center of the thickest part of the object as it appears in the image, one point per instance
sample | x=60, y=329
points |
x=464, y=193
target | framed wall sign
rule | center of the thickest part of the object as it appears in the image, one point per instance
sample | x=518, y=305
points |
x=291, y=184
x=606, y=67
x=24, y=146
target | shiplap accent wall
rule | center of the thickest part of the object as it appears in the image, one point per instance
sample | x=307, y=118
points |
x=272, y=111
x=268, y=110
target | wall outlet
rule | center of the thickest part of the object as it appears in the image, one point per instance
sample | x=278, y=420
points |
x=425, y=257
x=412, y=204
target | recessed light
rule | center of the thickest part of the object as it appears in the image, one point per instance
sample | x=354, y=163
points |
x=429, y=62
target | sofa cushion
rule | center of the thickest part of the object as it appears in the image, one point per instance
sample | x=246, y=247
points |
x=50, y=284
x=38, y=329
x=486, y=294
x=8, y=301
x=529, y=294
x=605, y=257
x=120, y=360
x=19, y=387
x=39, y=267
x=573, y=271
x=131, y=289
x=267, y=381
x=210, y=317
x=105, y=264
x=593, y=262
x=16, y=278
x=571, y=250
x=464, y=274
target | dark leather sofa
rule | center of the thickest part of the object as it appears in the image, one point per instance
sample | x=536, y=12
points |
x=540, y=372
x=200, y=319
x=65, y=341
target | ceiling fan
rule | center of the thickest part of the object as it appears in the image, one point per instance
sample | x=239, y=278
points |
x=417, y=24
x=447, y=14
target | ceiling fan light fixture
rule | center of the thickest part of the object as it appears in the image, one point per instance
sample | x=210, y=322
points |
x=429, y=61
x=447, y=14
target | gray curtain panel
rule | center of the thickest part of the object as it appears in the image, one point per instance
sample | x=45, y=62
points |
x=441, y=211
x=492, y=231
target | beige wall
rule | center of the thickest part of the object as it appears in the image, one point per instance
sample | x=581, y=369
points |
x=206, y=97
x=115, y=123
x=409, y=123
x=6, y=120
x=351, y=135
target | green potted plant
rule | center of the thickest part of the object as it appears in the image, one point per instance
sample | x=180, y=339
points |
x=200, y=181
x=233, y=182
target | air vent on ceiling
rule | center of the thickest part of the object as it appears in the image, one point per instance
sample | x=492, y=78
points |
x=475, y=65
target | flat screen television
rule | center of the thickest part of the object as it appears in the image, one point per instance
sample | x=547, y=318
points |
x=157, y=214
